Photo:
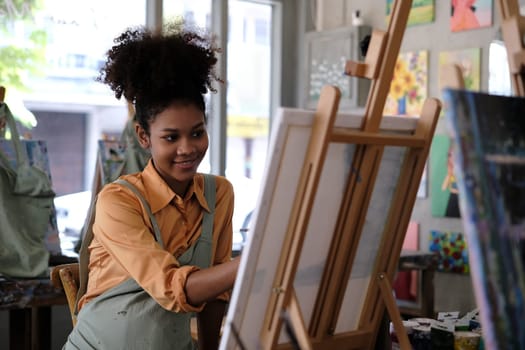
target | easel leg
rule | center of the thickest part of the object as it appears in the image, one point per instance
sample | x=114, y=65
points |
x=297, y=320
x=393, y=312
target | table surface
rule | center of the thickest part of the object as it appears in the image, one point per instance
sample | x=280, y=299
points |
x=418, y=260
x=27, y=293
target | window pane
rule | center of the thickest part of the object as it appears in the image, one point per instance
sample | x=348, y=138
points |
x=248, y=98
x=66, y=41
x=55, y=51
x=192, y=11
x=196, y=12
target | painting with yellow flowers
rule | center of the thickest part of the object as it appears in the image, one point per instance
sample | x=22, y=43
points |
x=408, y=89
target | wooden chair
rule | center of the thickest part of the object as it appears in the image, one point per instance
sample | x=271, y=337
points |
x=66, y=277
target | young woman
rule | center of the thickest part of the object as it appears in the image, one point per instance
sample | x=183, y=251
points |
x=145, y=283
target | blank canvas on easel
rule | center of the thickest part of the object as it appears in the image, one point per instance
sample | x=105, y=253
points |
x=292, y=129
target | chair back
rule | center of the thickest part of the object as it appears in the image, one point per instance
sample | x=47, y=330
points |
x=66, y=277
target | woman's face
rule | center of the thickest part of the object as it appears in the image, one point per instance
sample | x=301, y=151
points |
x=178, y=141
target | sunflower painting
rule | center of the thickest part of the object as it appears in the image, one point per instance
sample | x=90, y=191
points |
x=408, y=89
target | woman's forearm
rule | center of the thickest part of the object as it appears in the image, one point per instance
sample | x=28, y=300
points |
x=206, y=284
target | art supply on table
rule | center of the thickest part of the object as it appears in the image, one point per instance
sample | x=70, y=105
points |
x=442, y=336
x=466, y=340
x=421, y=337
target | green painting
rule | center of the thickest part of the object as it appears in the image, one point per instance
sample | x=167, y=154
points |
x=422, y=11
x=444, y=198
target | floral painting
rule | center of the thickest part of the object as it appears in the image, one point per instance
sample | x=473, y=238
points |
x=408, y=89
x=469, y=62
x=422, y=11
x=451, y=249
x=470, y=14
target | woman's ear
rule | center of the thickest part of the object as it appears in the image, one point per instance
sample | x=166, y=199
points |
x=142, y=136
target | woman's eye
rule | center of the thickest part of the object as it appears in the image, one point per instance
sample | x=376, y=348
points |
x=170, y=138
x=198, y=133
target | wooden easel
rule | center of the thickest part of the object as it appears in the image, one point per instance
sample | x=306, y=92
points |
x=320, y=333
x=513, y=31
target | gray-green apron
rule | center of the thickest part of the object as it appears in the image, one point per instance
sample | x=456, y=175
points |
x=126, y=317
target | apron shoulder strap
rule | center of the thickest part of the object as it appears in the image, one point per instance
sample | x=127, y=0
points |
x=209, y=194
x=86, y=241
x=154, y=223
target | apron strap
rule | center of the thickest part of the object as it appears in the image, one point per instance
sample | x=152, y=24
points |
x=154, y=223
x=209, y=194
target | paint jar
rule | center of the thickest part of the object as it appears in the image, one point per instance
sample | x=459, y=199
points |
x=441, y=339
x=409, y=325
x=421, y=337
x=466, y=340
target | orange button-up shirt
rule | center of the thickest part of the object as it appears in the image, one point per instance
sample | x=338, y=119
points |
x=124, y=244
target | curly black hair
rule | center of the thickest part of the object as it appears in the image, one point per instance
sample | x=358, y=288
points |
x=156, y=68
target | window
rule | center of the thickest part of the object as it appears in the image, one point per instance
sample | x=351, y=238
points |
x=249, y=70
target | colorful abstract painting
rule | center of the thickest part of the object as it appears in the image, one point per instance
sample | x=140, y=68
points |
x=469, y=62
x=408, y=89
x=422, y=11
x=489, y=161
x=451, y=248
x=470, y=14
x=444, y=200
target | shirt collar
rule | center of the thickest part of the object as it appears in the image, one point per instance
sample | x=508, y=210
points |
x=161, y=195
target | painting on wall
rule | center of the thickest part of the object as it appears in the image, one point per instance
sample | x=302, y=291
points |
x=443, y=186
x=451, y=248
x=326, y=55
x=469, y=63
x=408, y=89
x=422, y=11
x=470, y=14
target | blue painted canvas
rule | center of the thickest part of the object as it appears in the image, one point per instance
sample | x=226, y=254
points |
x=488, y=136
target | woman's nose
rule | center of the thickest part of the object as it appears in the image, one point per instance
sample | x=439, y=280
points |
x=185, y=146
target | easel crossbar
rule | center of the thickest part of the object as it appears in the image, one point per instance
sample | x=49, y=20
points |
x=340, y=135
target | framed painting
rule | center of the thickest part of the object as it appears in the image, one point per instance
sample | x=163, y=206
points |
x=422, y=11
x=451, y=249
x=326, y=55
x=469, y=62
x=408, y=89
x=470, y=14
